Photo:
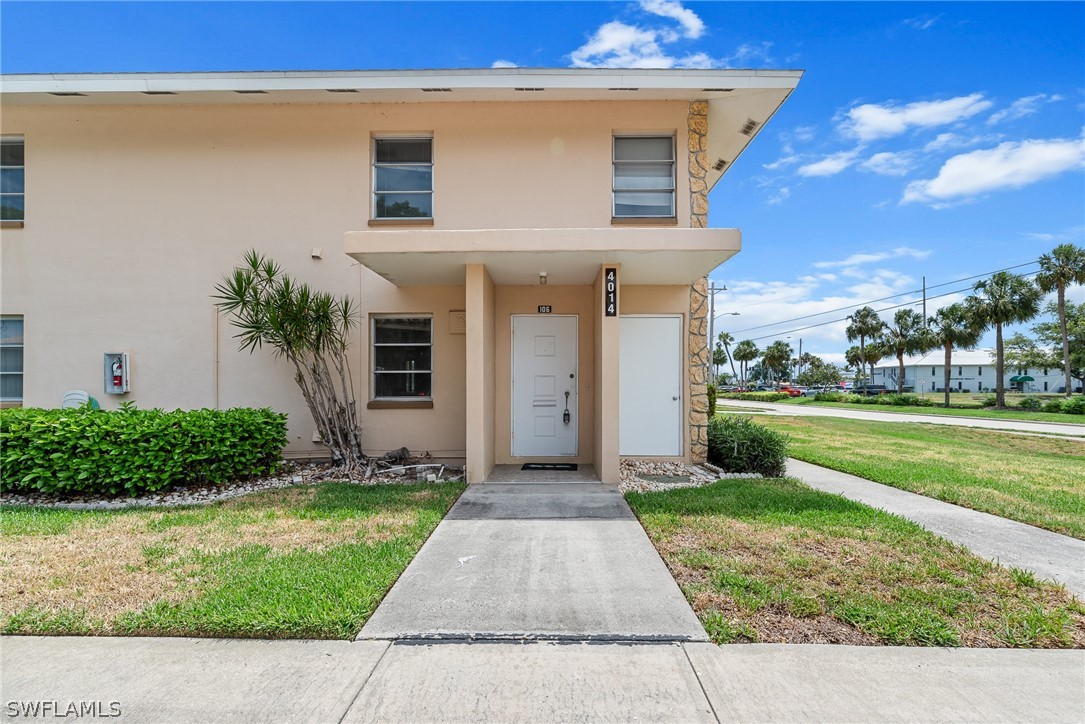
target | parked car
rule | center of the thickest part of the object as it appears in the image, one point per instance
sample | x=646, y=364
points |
x=871, y=390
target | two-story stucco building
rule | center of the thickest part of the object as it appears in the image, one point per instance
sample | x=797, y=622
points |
x=528, y=247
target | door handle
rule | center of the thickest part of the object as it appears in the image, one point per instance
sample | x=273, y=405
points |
x=675, y=398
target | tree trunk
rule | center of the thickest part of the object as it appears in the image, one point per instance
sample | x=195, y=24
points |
x=862, y=361
x=949, y=363
x=1000, y=386
x=731, y=360
x=900, y=371
x=1065, y=339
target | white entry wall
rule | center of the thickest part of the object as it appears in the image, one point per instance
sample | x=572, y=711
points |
x=650, y=385
x=544, y=385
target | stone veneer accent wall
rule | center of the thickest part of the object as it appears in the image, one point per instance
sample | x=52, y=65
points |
x=697, y=126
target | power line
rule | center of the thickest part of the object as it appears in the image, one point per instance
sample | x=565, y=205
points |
x=884, y=309
x=881, y=299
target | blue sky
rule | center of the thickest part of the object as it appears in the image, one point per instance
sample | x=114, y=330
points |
x=937, y=139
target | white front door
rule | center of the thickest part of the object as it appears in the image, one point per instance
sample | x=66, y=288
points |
x=650, y=385
x=544, y=385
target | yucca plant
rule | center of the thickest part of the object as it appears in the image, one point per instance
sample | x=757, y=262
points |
x=311, y=330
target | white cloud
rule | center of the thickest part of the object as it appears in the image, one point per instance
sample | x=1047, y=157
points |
x=871, y=257
x=922, y=22
x=871, y=121
x=692, y=25
x=782, y=194
x=503, y=64
x=1009, y=165
x=617, y=44
x=946, y=141
x=888, y=164
x=829, y=165
x=1022, y=107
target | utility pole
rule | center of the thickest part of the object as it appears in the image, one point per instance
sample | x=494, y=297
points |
x=712, y=327
x=924, y=300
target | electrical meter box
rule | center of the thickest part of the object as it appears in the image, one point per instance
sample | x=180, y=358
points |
x=118, y=373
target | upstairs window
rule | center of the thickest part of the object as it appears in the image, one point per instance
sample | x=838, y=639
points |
x=12, y=173
x=11, y=361
x=402, y=358
x=403, y=178
x=643, y=183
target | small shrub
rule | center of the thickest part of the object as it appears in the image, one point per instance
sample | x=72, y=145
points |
x=1029, y=403
x=989, y=401
x=966, y=391
x=1074, y=405
x=132, y=451
x=739, y=445
x=711, y=401
x=1053, y=406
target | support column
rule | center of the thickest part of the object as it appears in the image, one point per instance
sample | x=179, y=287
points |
x=480, y=373
x=700, y=347
x=607, y=409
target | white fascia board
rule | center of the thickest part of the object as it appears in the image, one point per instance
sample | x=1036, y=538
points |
x=495, y=78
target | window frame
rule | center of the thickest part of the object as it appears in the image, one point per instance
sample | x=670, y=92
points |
x=615, y=163
x=15, y=401
x=21, y=140
x=373, y=372
x=374, y=165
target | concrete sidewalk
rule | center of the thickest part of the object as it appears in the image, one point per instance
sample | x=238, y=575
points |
x=537, y=561
x=1050, y=555
x=1028, y=426
x=200, y=680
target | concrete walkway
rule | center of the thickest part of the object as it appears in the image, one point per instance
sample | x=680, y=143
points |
x=537, y=561
x=190, y=680
x=1050, y=555
x=1045, y=428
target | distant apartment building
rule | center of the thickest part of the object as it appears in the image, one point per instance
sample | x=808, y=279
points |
x=971, y=371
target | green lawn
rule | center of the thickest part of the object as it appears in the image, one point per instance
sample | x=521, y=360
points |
x=776, y=561
x=975, y=411
x=303, y=562
x=1032, y=479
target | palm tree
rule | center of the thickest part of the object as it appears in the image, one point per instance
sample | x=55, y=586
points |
x=865, y=324
x=1003, y=299
x=745, y=351
x=727, y=340
x=1064, y=266
x=777, y=356
x=906, y=335
x=951, y=327
x=875, y=352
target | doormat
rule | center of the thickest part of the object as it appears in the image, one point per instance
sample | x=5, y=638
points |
x=563, y=467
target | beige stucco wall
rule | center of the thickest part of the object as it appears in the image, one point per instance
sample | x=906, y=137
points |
x=607, y=398
x=134, y=212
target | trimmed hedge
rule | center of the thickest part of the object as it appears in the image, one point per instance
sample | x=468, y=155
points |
x=890, y=398
x=755, y=396
x=739, y=445
x=132, y=451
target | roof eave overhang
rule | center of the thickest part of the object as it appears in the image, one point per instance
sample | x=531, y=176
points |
x=435, y=257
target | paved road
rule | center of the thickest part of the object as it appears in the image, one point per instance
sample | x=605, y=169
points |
x=189, y=680
x=1053, y=556
x=537, y=561
x=1047, y=428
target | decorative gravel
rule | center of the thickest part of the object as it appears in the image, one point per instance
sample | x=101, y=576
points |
x=646, y=475
x=293, y=473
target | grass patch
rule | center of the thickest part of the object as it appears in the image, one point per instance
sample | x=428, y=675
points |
x=961, y=411
x=1031, y=479
x=304, y=562
x=775, y=561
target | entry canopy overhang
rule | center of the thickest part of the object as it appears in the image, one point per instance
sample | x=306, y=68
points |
x=424, y=257
x=740, y=102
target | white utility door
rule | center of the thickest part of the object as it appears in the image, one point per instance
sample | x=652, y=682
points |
x=650, y=385
x=544, y=385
